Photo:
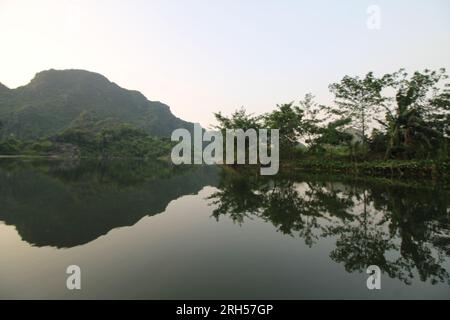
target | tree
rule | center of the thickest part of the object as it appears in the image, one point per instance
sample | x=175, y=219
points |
x=10, y=146
x=311, y=120
x=238, y=120
x=332, y=134
x=288, y=119
x=419, y=122
x=440, y=119
x=359, y=100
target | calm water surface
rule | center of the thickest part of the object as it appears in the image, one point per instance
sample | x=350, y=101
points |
x=147, y=230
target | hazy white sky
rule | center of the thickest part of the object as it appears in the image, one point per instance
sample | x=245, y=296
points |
x=202, y=56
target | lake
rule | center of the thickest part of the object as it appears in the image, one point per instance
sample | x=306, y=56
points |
x=148, y=230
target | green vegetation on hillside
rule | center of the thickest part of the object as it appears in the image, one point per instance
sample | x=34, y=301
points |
x=396, y=124
x=55, y=101
x=78, y=113
x=115, y=142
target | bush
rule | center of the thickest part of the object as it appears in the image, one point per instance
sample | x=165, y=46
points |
x=10, y=147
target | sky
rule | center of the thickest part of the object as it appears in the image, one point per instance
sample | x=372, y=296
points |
x=205, y=56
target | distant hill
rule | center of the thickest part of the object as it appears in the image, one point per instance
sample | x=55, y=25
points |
x=3, y=88
x=56, y=100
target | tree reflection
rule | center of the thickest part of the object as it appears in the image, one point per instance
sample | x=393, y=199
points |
x=402, y=228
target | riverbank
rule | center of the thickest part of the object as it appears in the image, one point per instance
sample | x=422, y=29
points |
x=25, y=156
x=427, y=169
x=400, y=169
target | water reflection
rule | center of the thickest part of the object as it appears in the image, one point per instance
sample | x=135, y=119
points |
x=404, y=228
x=65, y=204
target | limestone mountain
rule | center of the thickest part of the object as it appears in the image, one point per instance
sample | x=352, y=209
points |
x=3, y=88
x=56, y=100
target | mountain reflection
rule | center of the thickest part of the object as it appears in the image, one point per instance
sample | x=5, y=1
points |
x=64, y=204
x=404, y=228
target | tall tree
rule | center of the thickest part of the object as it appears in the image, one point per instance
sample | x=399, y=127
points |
x=359, y=99
x=288, y=119
x=238, y=120
x=312, y=118
x=419, y=119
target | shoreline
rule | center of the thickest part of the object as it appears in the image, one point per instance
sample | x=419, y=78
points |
x=403, y=169
x=399, y=169
x=428, y=170
x=28, y=156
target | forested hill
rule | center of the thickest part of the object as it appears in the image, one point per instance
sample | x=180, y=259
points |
x=57, y=100
x=3, y=88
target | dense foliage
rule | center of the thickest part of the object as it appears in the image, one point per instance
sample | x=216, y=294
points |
x=396, y=116
x=55, y=101
x=115, y=142
x=408, y=116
